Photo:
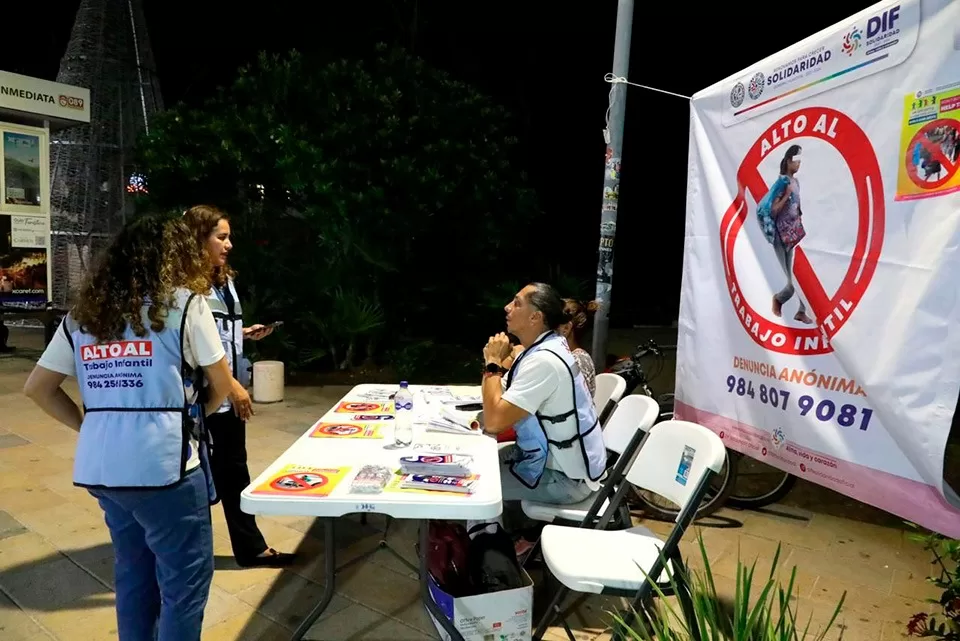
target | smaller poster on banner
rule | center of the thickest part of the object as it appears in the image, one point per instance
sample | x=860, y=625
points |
x=930, y=144
x=21, y=169
x=353, y=407
x=347, y=430
x=23, y=265
x=303, y=480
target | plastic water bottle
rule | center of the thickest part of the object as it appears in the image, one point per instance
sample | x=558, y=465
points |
x=403, y=416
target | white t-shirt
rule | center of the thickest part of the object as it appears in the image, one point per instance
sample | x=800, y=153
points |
x=541, y=384
x=201, y=348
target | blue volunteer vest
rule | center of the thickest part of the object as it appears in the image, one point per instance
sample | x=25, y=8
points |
x=140, y=407
x=225, y=305
x=579, y=450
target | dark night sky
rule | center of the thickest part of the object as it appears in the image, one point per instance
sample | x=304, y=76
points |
x=544, y=63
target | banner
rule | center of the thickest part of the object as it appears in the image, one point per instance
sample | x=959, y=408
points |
x=819, y=313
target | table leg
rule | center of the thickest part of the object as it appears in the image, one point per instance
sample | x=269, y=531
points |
x=330, y=574
x=428, y=603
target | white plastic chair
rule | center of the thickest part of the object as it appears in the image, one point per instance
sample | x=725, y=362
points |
x=676, y=461
x=609, y=391
x=632, y=414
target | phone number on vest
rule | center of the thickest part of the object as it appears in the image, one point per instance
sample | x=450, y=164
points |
x=111, y=383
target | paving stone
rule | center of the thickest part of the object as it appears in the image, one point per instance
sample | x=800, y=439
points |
x=9, y=526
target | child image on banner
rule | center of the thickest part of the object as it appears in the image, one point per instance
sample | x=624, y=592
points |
x=929, y=145
x=303, y=480
x=23, y=271
x=781, y=221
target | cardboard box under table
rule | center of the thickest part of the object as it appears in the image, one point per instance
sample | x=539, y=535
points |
x=495, y=616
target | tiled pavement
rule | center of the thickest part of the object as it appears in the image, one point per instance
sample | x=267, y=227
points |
x=56, y=565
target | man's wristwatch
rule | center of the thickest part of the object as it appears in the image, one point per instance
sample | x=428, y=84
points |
x=494, y=369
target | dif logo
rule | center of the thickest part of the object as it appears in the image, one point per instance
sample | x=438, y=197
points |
x=878, y=25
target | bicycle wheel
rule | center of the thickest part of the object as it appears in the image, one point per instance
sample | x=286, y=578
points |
x=758, y=484
x=665, y=401
x=662, y=509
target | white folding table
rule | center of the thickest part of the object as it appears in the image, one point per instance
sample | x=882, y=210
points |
x=292, y=496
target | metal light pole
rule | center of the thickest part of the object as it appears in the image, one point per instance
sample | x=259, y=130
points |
x=611, y=178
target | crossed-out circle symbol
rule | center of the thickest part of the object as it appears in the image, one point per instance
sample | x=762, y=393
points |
x=297, y=482
x=831, y=313
x=340, y=430
x=360, y=407
x=935, y=153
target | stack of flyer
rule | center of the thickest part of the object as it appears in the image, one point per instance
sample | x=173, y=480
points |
x=456, y=465
x=452, y=421
x=439, y=483
x=442, y=472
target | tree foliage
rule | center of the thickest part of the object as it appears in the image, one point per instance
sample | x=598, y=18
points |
x=363, y=194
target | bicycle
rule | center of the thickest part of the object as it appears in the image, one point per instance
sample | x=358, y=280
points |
x=744, y=482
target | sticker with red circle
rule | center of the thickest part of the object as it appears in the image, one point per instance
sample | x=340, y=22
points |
x=347, y=430
x=347, y=407
x=931, y=159
x=302, y=480
x=830, y=312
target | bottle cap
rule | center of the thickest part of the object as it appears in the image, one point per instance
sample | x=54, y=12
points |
x=403, y=383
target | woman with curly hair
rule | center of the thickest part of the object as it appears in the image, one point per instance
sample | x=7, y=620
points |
x=139, y=341
x=210, y=228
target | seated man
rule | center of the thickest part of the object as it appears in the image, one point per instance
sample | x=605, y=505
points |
x=559, y=454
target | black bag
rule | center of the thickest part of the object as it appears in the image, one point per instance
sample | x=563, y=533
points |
x=491, y=560
x=448, y=557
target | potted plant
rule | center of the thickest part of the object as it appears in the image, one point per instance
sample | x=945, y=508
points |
x=946, y=556
x=761, y=611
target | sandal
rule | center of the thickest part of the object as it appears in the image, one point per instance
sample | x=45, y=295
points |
x=522, y=547
x=269, y=559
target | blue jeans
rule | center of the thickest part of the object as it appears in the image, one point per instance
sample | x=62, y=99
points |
x=554, y=487
x=163, y=548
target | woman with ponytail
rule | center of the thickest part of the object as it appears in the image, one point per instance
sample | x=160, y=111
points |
x=578, y=317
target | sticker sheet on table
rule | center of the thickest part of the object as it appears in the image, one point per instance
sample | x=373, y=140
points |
x=303, y=480
x=353, y=430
